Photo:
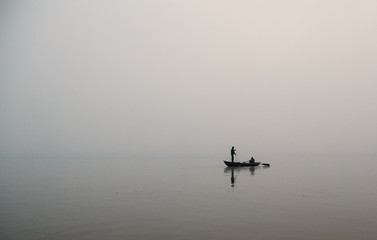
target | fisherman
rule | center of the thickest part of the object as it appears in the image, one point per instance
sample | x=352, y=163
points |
x=252, y=160
x=232, y=153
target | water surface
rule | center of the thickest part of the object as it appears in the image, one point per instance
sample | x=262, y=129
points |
x=295, y=198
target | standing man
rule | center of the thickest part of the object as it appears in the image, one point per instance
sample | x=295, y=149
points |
x=232, y=153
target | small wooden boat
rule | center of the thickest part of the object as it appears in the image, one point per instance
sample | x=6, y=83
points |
x=241, y=164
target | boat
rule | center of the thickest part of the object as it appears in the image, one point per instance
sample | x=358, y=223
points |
x=241, y=164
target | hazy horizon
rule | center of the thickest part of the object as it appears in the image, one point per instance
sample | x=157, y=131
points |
x=155, y=79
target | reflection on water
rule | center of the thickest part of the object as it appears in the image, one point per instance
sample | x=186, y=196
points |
x=233, y=170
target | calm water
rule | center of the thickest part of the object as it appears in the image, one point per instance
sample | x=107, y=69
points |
x=295, y=198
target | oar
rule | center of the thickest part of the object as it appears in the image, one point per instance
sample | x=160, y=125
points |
x=266, y=164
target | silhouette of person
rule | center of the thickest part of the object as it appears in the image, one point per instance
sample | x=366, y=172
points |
x=252, y=160
x=232, y=153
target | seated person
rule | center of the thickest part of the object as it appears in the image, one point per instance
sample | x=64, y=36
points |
x=252, y=160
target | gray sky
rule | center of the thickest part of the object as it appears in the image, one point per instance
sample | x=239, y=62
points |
x=155, y=79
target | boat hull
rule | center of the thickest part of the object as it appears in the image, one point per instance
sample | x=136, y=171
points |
x=241, y=164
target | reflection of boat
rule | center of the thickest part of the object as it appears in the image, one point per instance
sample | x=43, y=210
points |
x=251, y=169
x=241, y=164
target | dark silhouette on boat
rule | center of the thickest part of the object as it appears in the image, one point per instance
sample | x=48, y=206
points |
x=232, y=153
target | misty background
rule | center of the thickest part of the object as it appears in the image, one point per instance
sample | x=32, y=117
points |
x=187, y=79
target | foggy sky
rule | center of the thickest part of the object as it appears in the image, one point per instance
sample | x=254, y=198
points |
x=156, y=79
